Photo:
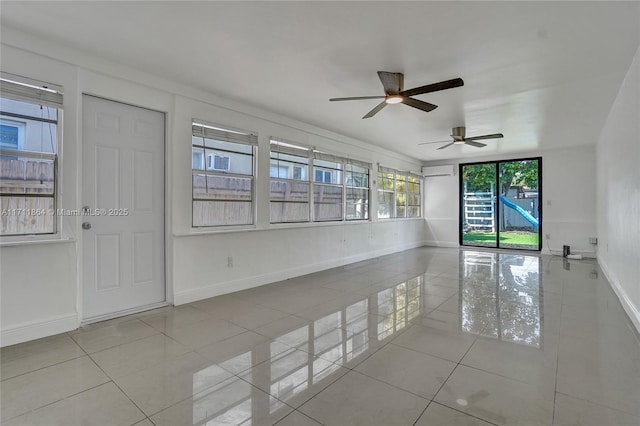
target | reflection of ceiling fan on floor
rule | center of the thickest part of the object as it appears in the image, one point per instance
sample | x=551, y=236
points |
x=457, y=133
x=393, y=83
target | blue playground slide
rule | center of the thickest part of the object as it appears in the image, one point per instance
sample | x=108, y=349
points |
x=532, y=220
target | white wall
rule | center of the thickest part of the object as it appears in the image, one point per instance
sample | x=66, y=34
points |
x=40, y=282
x=269, y=253
x=568, y=200
x=618, y=162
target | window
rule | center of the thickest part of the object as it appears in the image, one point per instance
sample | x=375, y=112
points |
x=323, y=176
x=398, y=194
x=413, y=195
x=357, y=188
x=386, y=193
x=29, y=114
x=336, y=189
x=223, y=184
x=297, y=173
x=290, y=186
x=327, y=188
x=11, y=134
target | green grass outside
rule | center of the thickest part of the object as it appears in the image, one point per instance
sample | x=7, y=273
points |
x=505, y=238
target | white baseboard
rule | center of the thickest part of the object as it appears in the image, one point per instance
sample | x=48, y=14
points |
x=447, y=244
x=205, y=292
x=37, y=329
x=625, y=300
x=558, y=252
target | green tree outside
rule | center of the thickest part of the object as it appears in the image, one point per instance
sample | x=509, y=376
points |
x=479, y=177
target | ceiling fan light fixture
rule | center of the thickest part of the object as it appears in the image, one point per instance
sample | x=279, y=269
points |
x=394, y=99
x=459, y=142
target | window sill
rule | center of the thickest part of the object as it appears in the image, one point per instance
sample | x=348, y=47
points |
x=26, y=241
x=279, y=226
x=401, y=219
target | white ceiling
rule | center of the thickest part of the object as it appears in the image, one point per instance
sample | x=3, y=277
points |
x=543, y=73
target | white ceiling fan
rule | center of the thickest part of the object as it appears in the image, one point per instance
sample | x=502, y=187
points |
x=458, y=135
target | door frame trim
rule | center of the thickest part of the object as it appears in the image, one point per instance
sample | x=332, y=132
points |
x=119, y=314
x=497, y=212
x=166, y=209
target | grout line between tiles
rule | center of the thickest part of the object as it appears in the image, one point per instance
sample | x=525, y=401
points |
x=113, y=381
x=588, y=401
x=42, y=368
x=443, y=383
x=300, y=412
x=119, y=344
x=58, y=400
x=466, y=414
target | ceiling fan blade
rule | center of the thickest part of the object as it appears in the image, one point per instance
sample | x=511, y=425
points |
x=476, y=144
x=357, y=98
x=447, y=145
x=493, y=136
x=424, y=106
x=376, y=110
x=443, y=85
x=429, y=143
x=392, y=82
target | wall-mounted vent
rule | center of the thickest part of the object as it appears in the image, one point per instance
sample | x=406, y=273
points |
x=218, y=162
x=446, y=170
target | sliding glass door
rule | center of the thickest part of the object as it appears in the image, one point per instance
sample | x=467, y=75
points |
x=478, y=201
x=499, y=204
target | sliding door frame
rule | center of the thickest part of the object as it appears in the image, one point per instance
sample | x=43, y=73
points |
x=498, y=208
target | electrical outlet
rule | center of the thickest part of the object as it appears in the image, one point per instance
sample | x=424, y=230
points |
x=593, y=241
x=230, y=262
x=547, y=236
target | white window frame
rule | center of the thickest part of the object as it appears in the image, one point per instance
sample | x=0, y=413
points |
x=406, y=175
x=204, y=130
x=23, y=89
x=352, y=185
x=21, y=126
x=419, y=194
x=292, y=148
x=279, y=146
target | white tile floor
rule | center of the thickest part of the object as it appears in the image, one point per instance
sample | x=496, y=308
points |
x=424, y=337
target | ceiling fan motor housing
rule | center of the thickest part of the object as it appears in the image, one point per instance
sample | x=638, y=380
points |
x=457, y=133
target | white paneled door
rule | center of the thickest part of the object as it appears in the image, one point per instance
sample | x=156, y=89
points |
x=123, y=207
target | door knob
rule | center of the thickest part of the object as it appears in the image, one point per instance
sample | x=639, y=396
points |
x=86, y=225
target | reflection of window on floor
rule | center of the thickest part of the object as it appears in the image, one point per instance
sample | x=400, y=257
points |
x=399, y=305
x=357, y=321
x=296, y=338
x=289, y=374
x=235, y=401
x=327, y=342
x=304, y=356
x=500, y=297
